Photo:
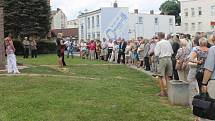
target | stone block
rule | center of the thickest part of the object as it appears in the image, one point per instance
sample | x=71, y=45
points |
x=178, y=93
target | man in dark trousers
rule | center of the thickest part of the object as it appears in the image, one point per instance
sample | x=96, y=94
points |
x=122, y=47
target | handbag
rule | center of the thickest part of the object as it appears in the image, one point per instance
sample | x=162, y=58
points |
x=178, y=65
x=204, y=106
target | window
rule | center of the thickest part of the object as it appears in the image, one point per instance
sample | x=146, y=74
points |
x=88, y=36
x=93, y=22
x=193, y=12
x=170, y=21
x=186, y=12
x=213, y=10
x=98, y=35
x=82, y=31
x=193, y=26
x=93, y=35
x=186, y=26
x=140, y=20
x=88, y=23
x=156, y=21
x=199, y=25
x=97, y=21
x=200, y=11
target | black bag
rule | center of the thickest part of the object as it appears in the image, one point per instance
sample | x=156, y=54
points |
x=204, y=106
x=199, y=76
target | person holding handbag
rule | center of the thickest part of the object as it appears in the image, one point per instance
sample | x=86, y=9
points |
x=200, y=53
x=182, y=60
x=208, y=83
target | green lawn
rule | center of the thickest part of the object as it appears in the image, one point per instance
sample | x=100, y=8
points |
x=86, y=91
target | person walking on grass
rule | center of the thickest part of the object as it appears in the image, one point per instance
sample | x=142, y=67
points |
x=11, y=58
x=164, y=51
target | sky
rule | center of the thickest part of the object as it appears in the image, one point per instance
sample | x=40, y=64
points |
x=72, y=8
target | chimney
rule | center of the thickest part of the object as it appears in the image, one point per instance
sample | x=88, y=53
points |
x=151, y=11
x=58, y=9
x=115, y=5
x=136, y=11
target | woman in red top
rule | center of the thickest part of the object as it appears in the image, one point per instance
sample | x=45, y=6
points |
x=92, y=48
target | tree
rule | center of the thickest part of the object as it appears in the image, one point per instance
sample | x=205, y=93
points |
x=2, y=50
x=27, y=17
x=171, y=7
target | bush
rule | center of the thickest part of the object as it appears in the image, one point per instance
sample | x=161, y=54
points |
x=43, y=47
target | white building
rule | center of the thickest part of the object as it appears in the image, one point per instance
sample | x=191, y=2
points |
x=115, y=22
x=147, y=25
x=59, y=19
x=197, y=16
x=73, y=23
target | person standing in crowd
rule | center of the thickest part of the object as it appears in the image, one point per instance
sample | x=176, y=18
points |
x=70, y=48
x=26, y=46
x=208, y=83
x=110, y=49
x=175, y=47
x=135, y=57
x=104, y=49
x=128, y=53
x=121, y=55
x=115, y=52
x=164, y=51
x=200, y=53
x=33, y=48
x=182, y=60
x=11, y=58
x=151, y=54
x=60, y=50
x=92, y=49
x=141, y=53
x=98, y=49
x=146, y=55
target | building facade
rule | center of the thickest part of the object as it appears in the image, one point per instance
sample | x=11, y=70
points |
x=59, y=20
x=148, y=25
x=197, y=16
x=115, y=22
x=73, y=24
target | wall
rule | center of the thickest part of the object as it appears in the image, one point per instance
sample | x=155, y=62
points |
x=115, y=23
x=205, y=18
x=147, y=28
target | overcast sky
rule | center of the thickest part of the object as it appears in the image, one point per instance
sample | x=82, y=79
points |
x=72, y=7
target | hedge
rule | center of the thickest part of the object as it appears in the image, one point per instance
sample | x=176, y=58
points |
x=43, y=47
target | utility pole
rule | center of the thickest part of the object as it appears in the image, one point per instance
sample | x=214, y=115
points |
x=2, y=49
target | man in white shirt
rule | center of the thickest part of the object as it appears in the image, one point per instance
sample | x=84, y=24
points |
x=164, y=51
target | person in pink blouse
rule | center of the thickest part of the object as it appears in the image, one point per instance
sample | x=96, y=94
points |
x=92, y=48
x=11, y=58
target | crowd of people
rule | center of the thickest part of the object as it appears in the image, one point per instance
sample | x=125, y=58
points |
x=168, y=57
x=175, y=56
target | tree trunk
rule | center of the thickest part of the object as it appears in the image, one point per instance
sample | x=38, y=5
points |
x=2, y=49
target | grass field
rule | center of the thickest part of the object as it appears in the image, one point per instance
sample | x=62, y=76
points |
x=84, y=91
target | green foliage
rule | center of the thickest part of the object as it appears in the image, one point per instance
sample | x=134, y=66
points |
x=171, y=7
x=27, y=17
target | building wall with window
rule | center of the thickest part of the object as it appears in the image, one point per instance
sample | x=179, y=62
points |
x=112, y=23
x=197, y=16
x=147, y=25
x=59, y=20
x=73, y=24
x=108, y=22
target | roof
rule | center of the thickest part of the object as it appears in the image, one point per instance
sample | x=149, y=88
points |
x=66, y=32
